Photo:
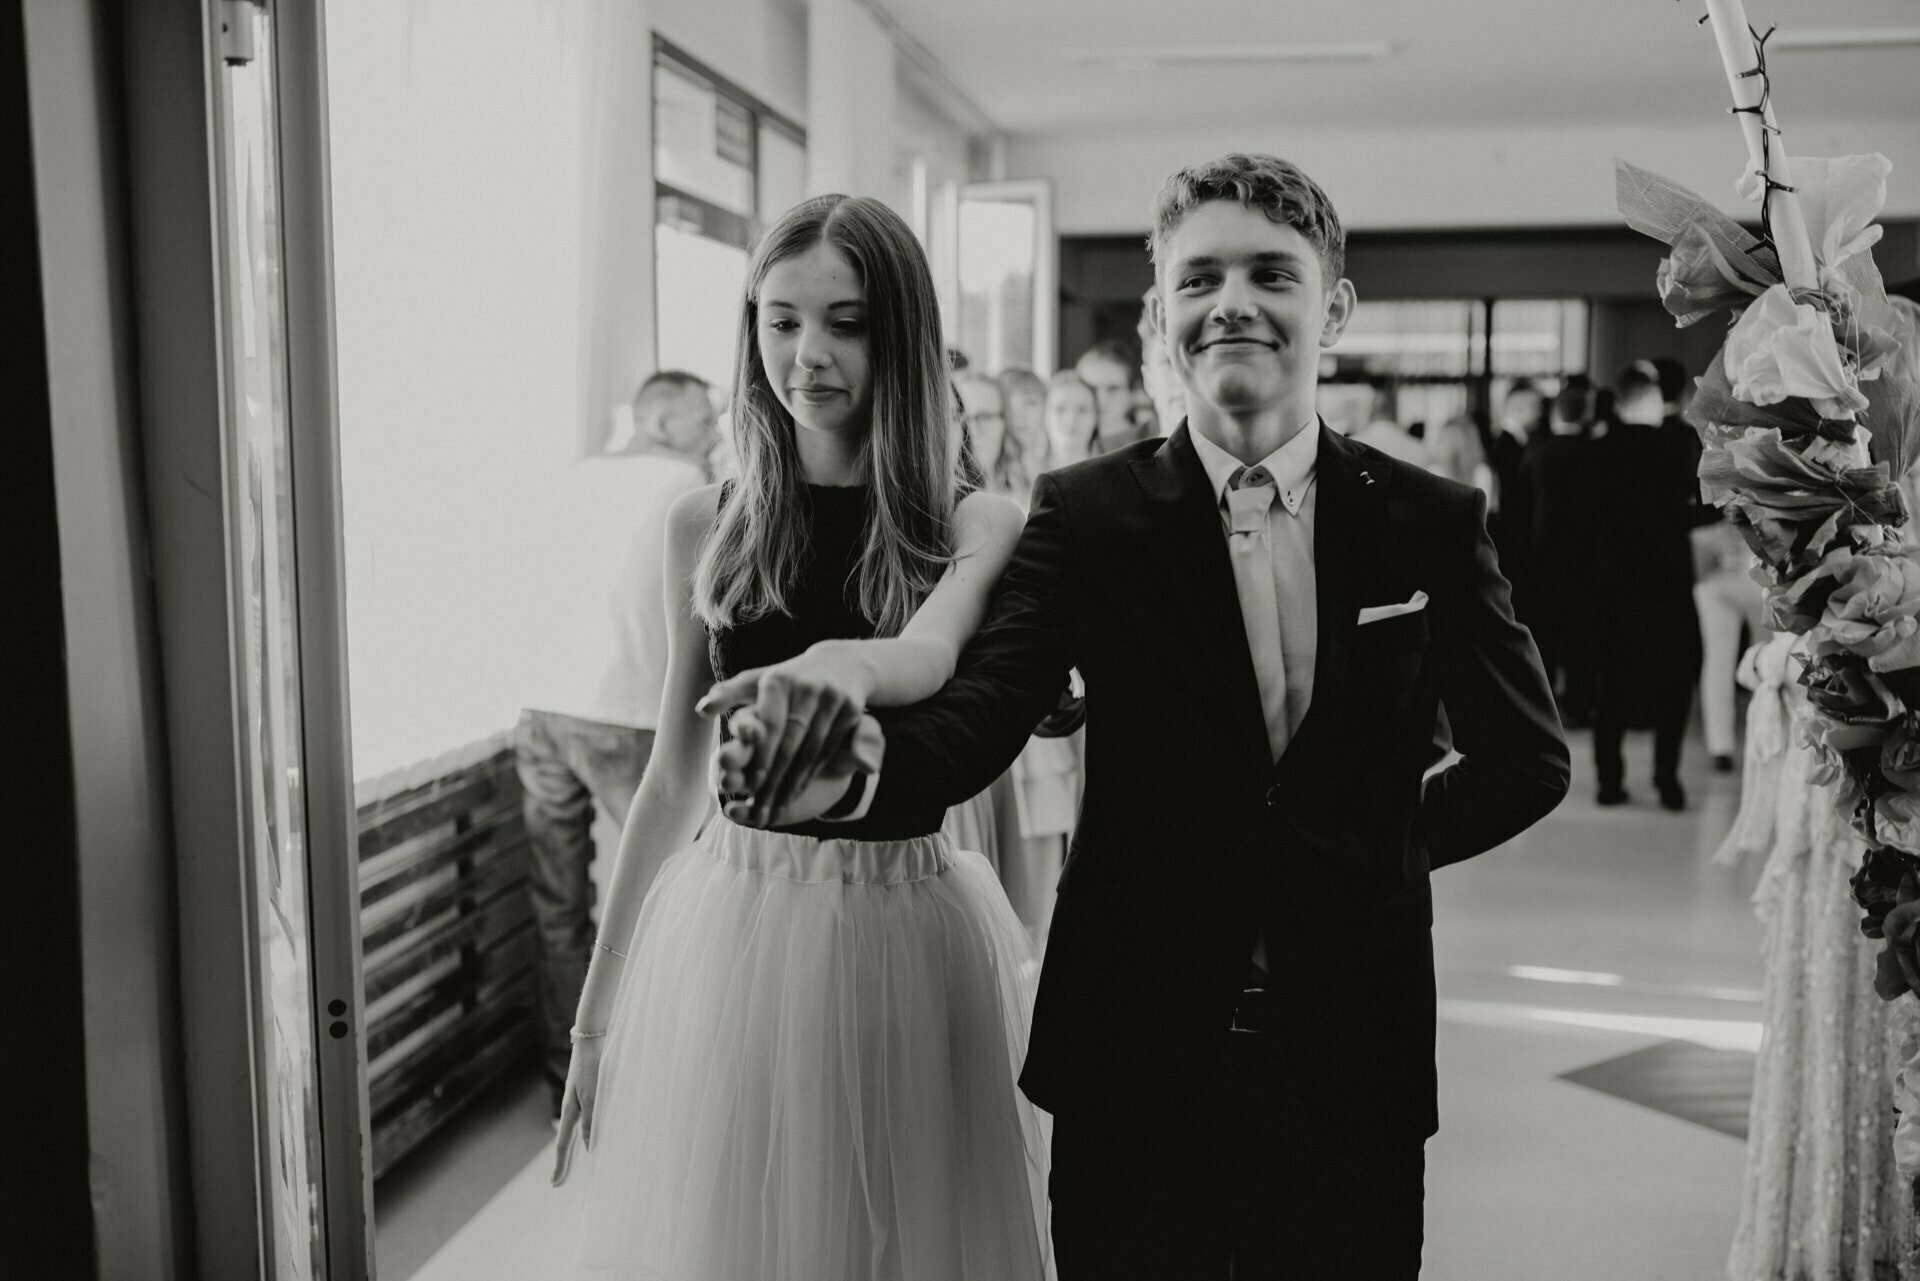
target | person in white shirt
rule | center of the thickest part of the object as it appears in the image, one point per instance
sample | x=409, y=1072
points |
x=585, y=736
x=1385, y=433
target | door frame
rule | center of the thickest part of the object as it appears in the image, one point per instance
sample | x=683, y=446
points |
x=333, y=861
x=171, y=63
x=1046, y=256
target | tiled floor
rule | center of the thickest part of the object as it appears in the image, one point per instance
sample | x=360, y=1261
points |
x=1584, y=1136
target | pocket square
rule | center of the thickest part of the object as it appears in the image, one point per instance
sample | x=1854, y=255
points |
x=1375, y=613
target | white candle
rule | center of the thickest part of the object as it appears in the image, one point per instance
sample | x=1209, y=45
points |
x=1789, y=229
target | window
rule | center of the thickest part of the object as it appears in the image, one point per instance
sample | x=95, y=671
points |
x=1447, y=357
x=725, y=166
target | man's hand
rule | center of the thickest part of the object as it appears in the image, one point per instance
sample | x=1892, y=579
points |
x=859, y=750
x=1896, y=969
x=805, y=712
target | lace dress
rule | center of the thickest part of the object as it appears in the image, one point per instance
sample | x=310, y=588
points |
x=1821, y=1200
x=810, y=1070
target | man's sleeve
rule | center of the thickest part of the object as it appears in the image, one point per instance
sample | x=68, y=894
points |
x=953, y=745
x=1514, y=766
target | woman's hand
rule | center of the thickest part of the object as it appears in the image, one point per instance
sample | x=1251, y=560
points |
x=576, y=1104
x=861, y=750
x=806, y=711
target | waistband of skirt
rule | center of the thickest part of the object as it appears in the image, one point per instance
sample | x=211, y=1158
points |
x=812, y=859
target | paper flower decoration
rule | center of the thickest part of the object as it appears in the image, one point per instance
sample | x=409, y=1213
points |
x=1782, y=348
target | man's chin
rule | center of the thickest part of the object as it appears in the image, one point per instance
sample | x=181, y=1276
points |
x=1236, y=393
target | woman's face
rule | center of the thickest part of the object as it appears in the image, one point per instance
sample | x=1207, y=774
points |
x=986, y=420
x=1027, y=420
x=1071, y=416
x=812, y=335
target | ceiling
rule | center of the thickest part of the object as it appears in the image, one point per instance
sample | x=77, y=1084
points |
x=1455, y=62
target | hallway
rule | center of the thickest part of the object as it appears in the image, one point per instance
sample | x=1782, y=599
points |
x=1599, y=1007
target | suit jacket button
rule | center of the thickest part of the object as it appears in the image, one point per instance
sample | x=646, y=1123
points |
x=1274, y=799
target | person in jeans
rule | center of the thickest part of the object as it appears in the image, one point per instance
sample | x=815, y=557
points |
x=584, y=740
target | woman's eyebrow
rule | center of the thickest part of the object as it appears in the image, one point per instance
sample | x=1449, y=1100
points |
x=780, y=304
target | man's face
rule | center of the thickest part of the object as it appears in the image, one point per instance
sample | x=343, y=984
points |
x=1244, y=308
x=689, y=424
x=1522, y=411
x=1645, y=408
x=1112, y=384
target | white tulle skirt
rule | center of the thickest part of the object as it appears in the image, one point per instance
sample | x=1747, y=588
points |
x=810, y=1074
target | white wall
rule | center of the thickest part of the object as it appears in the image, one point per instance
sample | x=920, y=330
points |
x=850, y=103
x=1518, y=176
x=493, y=257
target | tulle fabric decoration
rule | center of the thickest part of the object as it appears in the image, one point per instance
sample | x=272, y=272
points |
x=810, y=1074
x=1822, y=1199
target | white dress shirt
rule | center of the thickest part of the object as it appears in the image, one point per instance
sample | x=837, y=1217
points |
x=602, y=599
x=1290, y=538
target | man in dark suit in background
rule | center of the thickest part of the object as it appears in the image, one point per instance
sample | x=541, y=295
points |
x=1235, y=1025
x=1556, y=598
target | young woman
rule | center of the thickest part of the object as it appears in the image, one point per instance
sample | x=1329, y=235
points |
x=995, y=447
x=1073, y=418
x=795, y=1055
x=1454, y=451
x=1025, y=394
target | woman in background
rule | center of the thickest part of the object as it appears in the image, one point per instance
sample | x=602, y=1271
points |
x=999, y=453
x=1024, y=394
x=1027, y=815
x=1454, y=451
x=1073, y=418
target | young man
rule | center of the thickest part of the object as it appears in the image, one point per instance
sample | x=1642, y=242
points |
x=587, y=732
x=1235, y=1025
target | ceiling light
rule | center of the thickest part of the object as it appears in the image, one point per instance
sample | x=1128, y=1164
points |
x=1149, y=57
x=1843, y=38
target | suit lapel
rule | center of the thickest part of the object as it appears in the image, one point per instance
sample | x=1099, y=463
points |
x=1350, y=494
x=1202, y=601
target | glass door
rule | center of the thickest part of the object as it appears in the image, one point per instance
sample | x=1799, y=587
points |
x=1008, y=300
x=302, y=1030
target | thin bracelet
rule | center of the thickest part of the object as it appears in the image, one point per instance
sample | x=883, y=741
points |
x=604, y=948
x=575, y=1034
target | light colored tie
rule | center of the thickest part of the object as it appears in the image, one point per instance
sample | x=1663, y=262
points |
x=1250, y=494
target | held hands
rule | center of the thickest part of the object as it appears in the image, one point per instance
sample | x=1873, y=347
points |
x=800, y=732
x=743, y=759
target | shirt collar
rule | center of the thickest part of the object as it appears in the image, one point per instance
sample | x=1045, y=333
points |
x=1291, y=465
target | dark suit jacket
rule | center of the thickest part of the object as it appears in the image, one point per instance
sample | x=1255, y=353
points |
x=1191, y=840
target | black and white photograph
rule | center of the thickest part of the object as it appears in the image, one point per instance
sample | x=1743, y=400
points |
x=964, y=640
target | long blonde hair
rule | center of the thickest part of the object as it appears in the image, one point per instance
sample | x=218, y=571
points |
x=753, y=559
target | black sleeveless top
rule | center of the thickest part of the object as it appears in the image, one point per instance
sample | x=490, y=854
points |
x=822, y=609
